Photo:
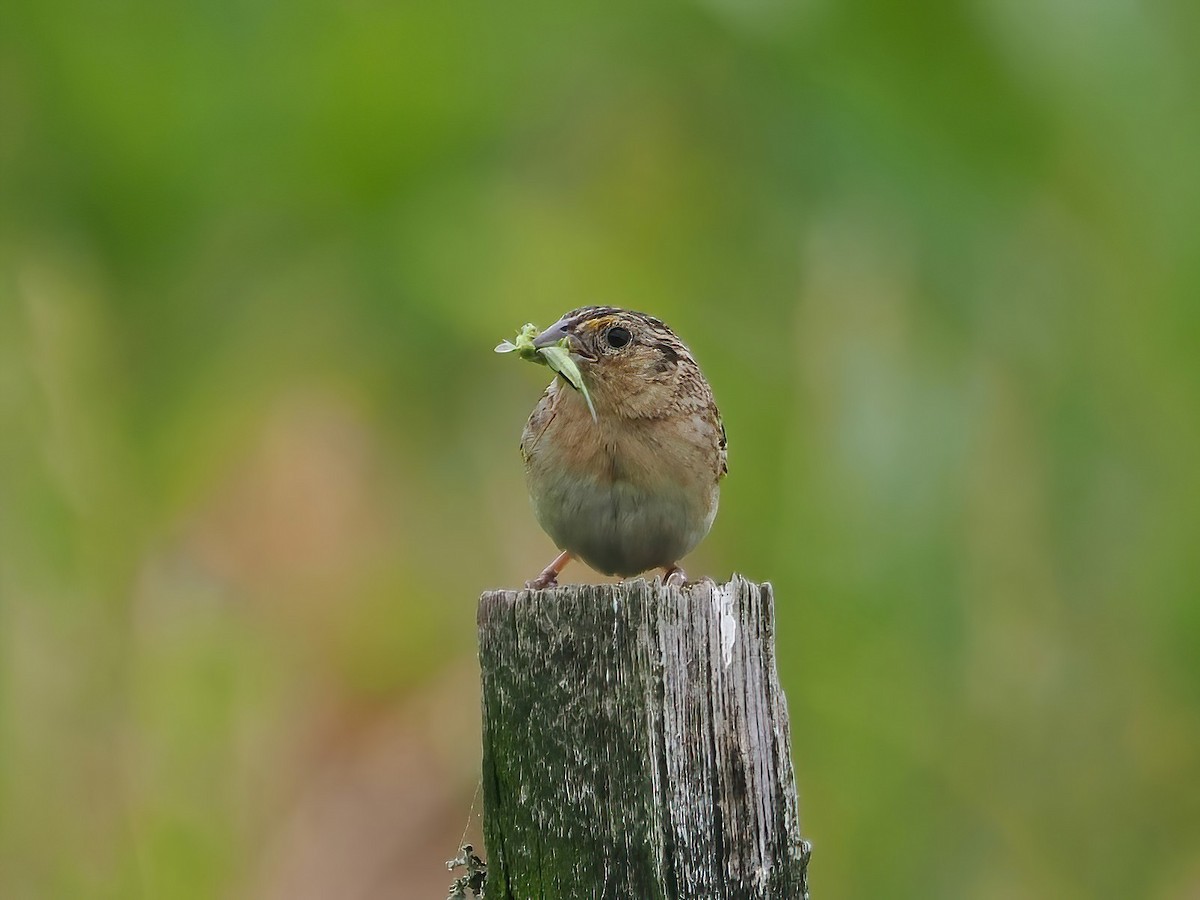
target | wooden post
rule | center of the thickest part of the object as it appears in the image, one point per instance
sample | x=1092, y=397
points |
x=636, y=745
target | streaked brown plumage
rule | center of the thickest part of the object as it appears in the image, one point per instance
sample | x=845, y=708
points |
x=635, y=488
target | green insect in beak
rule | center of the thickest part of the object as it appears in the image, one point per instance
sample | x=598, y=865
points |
x=557, y=356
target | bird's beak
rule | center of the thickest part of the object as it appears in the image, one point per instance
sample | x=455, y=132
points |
x=556, y=333
x=551, y=335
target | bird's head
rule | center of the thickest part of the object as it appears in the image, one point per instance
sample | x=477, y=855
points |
x=632, y=363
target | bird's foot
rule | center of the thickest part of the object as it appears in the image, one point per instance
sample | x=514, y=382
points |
x=674, y=576
x=549, y=576
x=548, y=579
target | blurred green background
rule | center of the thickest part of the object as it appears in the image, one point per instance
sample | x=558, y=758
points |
x=941, y=263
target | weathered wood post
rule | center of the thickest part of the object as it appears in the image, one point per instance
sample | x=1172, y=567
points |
x=636, y=745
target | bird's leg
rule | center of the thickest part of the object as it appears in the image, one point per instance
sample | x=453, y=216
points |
x=674, y=575
x=549, y=576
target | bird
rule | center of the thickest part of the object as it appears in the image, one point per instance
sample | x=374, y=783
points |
x=629, y=481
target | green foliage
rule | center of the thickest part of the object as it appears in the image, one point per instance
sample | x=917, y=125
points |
x=938, y=262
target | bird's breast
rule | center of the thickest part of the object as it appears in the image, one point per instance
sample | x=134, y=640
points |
x=625, y=496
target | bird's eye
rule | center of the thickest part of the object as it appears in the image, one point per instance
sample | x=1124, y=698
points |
x=618, y=337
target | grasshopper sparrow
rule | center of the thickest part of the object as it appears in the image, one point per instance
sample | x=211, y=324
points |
x=633, y=485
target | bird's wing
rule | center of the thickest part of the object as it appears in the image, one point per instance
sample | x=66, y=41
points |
x=723, y=447
x=539, y=419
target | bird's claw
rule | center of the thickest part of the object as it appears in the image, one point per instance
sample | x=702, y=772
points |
x=549, y=576
x=675, y=577
x=543, y=582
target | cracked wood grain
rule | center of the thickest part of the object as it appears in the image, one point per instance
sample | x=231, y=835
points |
x=636, y=744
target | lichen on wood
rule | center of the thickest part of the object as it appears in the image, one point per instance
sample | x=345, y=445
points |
x=636, y=744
